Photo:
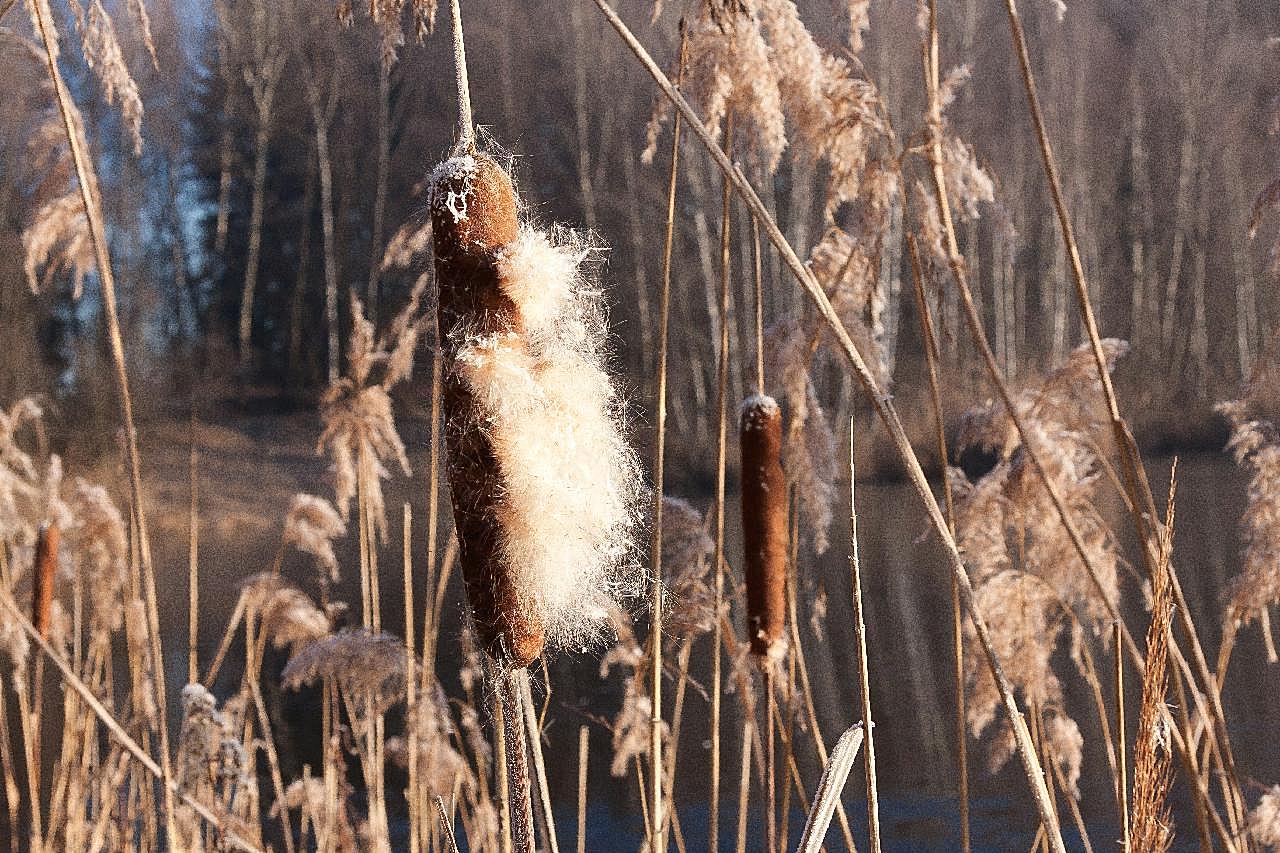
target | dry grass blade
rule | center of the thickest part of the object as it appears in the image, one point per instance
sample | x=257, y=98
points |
x=830, y=787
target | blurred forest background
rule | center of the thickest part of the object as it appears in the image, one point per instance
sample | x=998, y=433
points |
x=281, y=151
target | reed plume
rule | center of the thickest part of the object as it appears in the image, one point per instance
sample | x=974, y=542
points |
x=1152, y=831
x=1264, y=819
x=1255, y=444
x=764, y=525
x=545, y=488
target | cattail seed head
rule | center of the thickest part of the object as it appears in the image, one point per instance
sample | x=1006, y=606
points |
x=764, y=523
x=46, y=566
x=473, y=215
x=545, y=488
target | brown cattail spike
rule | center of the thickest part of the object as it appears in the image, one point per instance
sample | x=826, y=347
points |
x=473, y=216
x=46, y=566
x=764, y=523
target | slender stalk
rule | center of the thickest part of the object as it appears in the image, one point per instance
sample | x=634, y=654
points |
x=519, y=795
x=829, y=788
x=193, y=566
x=534, y=736
x=744, y=785
x=884, y=408
x=410, y=676
x=88, y=182
x=584, y=756
x=655, y=823
x=860, y=628
x=466, y=129
x=770, y=760
x=1122, y=772
x=502, y=788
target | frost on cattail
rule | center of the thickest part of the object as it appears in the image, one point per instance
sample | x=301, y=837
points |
x=764, y=524
x=1255, y=444
x=311, y=525
x=1264, y=819
x=686, y=556
x=545, y=488
x=359, y=427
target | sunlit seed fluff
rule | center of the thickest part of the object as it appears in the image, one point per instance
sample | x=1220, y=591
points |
x=544, y=482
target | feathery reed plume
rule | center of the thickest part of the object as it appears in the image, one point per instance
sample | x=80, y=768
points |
x=367, y=667
x=44, y=568
x=686, y=553
x=764, y=525
x=311, y=525
x=1255, y=444
x=359, y=426
x=102, y=54
x=545, y=489
x=386, y=15
x=1152, y=771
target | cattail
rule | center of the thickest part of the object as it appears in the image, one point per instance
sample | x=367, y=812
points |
x=46, y=566
x=764, y=523
x=474, y=214
x=545, y=489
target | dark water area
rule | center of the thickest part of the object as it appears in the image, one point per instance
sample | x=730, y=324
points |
x=908, y=615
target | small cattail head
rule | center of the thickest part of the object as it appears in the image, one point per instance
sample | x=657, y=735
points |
x=764, y=523
x=46, y=567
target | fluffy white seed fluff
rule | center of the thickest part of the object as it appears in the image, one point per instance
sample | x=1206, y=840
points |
x=571, y=482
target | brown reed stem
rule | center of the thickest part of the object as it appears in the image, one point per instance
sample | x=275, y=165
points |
x=1135, y=475
x=519, y=791
x=860, y=630
x=1122, y=773
x=770, y=760
x=744, y=785
x=116, y=730
x=503, y=783
x=410, y=676
x=884, y=409
x=87, y=180
x=659, y=458
x=584, y=756
x=534, y=736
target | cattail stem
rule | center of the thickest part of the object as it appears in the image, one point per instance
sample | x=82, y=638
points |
x=519, y=791
x=533, y=733
x=193, y=565
x=466, y=129
x=655, y=825
x=744, y=785
x=770, y=764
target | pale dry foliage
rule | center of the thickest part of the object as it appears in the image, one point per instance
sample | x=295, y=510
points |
x=387, y=16
x=1255, y=444
x=1029, y=581
x=212, y=764
x=1264, y=819
x=311, y=525
x=687, y=551
x=360, y=432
